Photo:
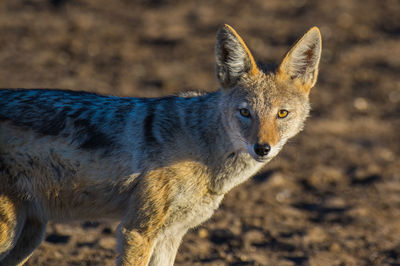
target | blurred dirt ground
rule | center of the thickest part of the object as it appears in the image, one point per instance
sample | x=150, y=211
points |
x=332, y=196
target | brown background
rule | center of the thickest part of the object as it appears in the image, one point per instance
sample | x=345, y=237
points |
x=332, y=197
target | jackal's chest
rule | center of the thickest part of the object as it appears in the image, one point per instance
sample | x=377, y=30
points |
x=184, y=190
x=234, y=171
x=191, y=212
x=201, y=188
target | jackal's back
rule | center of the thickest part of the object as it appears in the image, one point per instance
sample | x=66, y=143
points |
x=84, y=117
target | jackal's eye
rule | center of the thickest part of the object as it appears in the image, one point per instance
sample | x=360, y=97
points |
x=244, y=112
x=283, y=113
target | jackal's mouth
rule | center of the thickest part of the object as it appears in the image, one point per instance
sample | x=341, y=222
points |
x=260, y=159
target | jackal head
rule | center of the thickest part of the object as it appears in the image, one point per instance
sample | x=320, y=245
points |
x=262, y=109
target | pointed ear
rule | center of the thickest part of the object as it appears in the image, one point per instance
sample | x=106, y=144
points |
x=233, y=58
x=301, y=62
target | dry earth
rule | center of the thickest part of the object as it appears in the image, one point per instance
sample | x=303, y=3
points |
x=332, y=197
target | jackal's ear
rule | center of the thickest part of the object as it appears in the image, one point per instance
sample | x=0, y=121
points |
x=301, y=62
x=233, y=58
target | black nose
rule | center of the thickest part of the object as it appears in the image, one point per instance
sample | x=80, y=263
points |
x=261, y=149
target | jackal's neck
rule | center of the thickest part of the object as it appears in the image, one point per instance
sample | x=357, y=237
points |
x=205, y=127
x=188, y=127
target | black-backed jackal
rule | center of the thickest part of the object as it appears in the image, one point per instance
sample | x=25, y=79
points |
x=160, y=165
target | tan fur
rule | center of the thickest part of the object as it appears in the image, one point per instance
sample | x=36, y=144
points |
x=311, y=51
x=8, y=220
x=254, y=69
x=164, y=196
x=168, y=168
x=268, y=132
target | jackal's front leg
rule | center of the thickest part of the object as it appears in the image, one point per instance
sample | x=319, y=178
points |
x=135, y=248
x=155, y=249
x=145, y=220
x=165, y=248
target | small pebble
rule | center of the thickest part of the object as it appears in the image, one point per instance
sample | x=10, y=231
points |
x=202, y=233
x=360, y=104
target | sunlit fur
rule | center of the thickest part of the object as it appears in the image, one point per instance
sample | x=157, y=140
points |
x=159, y=165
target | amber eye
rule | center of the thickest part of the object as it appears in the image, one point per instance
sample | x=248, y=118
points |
x=244, y=112
x=283, y=113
